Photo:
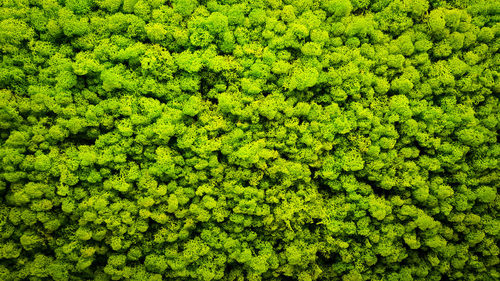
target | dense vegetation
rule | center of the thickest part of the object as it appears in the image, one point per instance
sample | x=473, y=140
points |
x=249, y=140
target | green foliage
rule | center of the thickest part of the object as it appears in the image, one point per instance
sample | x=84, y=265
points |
x=249, y=140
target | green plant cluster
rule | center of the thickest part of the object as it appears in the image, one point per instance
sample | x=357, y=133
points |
x=249, y=140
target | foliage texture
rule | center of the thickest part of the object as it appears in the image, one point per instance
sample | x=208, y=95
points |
x=249, y=140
